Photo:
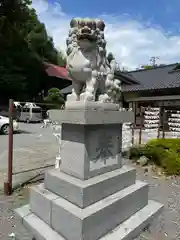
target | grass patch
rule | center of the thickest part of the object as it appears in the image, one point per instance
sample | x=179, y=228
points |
x=162, y=152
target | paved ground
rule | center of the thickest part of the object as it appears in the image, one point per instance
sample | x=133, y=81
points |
x=165, y=190
x=37, y=146
x=8, y=223
x=33, y=147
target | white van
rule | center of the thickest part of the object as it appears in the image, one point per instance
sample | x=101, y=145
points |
x=30, y=112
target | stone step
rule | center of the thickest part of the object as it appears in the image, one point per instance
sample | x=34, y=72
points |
x=84, y=193
x=92, y=222
x=127, y=230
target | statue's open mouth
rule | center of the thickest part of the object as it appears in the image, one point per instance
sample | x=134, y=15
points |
x=87, y=33
x=87, y=36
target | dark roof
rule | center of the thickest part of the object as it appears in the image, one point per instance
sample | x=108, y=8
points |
x=67, y=90
x=126, y=77
x=156, y=78
x=61, y=72
x=147, y=79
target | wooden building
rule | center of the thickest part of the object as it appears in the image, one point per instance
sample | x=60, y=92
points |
x=57, y=77
x=155, y=87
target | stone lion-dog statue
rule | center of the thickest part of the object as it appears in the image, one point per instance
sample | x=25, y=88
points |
x=91, y=73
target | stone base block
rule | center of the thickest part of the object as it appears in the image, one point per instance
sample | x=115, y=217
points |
x=127, y=230
x=89, y=106
x=41, y=202
x=84, y=193
x=94, y=221
x=94, y=116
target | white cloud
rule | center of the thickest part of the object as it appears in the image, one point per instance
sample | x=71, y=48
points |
x=132, y=42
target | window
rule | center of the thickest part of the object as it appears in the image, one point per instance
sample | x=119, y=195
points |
x=25, y=109
x=36, y=110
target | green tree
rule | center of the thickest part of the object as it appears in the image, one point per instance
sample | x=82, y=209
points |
x=110, y=57
x=147, y=67
x=24, y=46
x=54, y=96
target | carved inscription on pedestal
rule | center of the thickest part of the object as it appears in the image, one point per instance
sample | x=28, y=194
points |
x=103, y=148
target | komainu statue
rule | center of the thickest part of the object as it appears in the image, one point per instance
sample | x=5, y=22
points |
x=91, y=73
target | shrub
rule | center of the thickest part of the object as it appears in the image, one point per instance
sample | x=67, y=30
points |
x=163, y=152
x=173, y=144
x=154, y=154
x=171, y=164
x=136, y=152
x=54, y=96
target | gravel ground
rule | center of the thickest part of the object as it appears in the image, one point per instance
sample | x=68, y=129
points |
x=8, y=223
x=166, y=191
x=34, y=147
x=162, y=189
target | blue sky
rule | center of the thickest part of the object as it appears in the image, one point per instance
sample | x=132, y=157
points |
x=135, y=30
x=159, y=12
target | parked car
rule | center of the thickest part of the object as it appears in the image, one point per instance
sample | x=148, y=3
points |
x=30, y=112
x=4, y=125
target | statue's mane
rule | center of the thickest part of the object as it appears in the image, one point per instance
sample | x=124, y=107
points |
x=90, y=29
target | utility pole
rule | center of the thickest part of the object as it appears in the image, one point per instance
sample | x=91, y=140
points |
x=153, y=60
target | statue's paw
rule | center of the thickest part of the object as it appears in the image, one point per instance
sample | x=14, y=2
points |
x=72, y=97
x=104, y=98
x=86, y=97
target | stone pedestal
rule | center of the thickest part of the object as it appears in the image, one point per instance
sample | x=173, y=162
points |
x=92, y=196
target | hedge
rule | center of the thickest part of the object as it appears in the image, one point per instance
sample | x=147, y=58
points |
x=163, y=152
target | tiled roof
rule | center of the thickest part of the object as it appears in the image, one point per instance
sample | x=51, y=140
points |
x=56, y=71
x=148, y=79
x=61, y=72
x=126, y=77
x=66, y=90
x=155, y=78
